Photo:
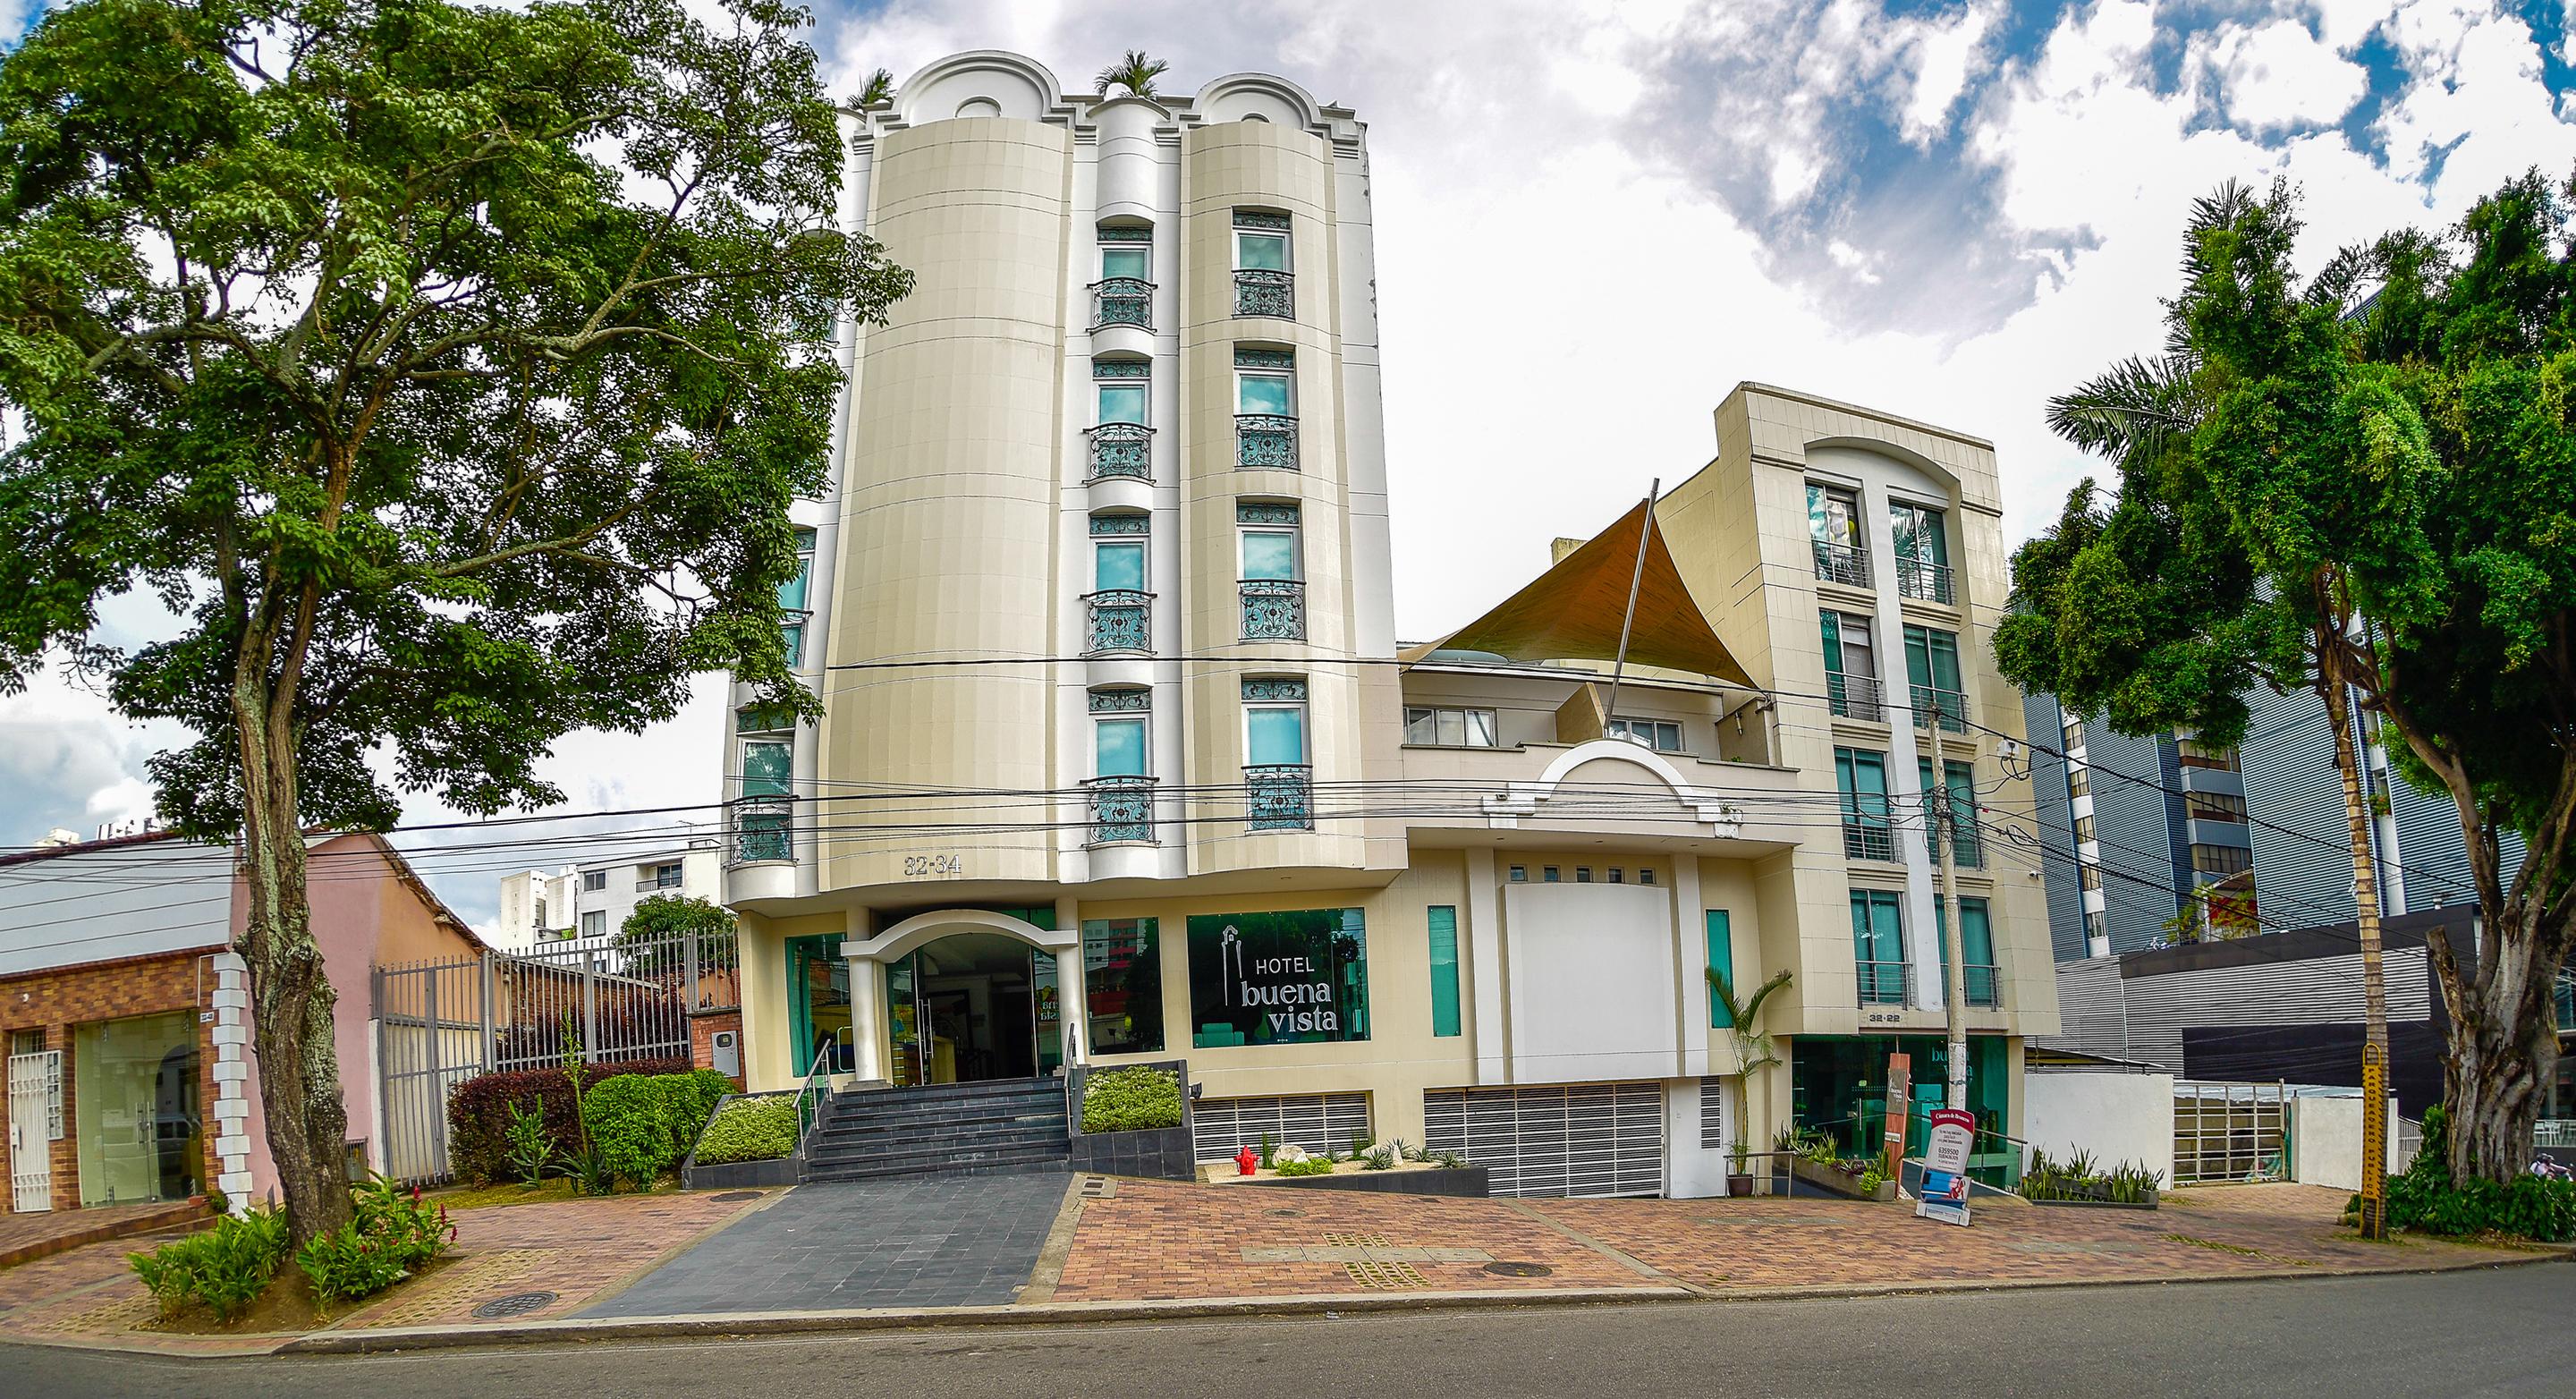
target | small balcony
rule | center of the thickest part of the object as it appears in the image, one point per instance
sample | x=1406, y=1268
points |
x=1279, y=796
x=1122, y=301
x=1868, y=840
x=1949, y=707
x=762, y=830
x=1122, y=449
x=1274, y=609
x=1259, y=293
x=1841, y=563
x=1923, y=581
x=1122, y=810
x=1265, y=441
x=1885, y=983
x=656, y=886
x=1983, y=986
x=1855, y=696
x=1118, y=620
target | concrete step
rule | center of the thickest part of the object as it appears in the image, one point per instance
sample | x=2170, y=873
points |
x=933, y=1163
x=935, y=1149
x=956, y=1119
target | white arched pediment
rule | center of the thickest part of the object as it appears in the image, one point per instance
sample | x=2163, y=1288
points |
x=1271, y=98
x=1524, y=801
x=1016, y=85
x=921, y=928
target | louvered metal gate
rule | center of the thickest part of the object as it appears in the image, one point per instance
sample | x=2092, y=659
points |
x=35, y=1122
x=1220, y=1127
x=1584, y=1140
x=2229, y=1131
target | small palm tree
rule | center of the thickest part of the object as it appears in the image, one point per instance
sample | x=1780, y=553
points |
x=880, y=89
x=1752, y=1047
x=1135, y=72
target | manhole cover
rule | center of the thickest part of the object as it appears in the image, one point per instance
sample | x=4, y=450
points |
x=739, y=1195
x=1519, y=1270
x=1287, y=1214
x=516, y=1304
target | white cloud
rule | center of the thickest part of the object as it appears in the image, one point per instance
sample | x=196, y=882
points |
x=2277, y=75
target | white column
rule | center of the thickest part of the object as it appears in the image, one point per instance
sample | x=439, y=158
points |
x=232, y=1102
x=1690, y=953
x=867, y=1018
x=1073, y=993
x=1484, y=932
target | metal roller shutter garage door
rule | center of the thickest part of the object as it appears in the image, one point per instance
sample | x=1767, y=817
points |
x=1584, y=1140
x=1220, y=1127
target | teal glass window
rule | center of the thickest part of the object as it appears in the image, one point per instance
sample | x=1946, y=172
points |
x=1878, y=945
x=1932, y=658
x=1275, y=733
x=791, y=594
x=1961, y=779
x=1260, y=252
x=793, y=633
x=1118, y=747
x=768, y=767
x=1122, y=401
x=1270, y=554
x=1264, y=393
x=1720, y=932
x=1128, y=260
x=1833, y=516
x=1118, y=567
x=1122, y=985
x=1919, y=535
x=1444, y=971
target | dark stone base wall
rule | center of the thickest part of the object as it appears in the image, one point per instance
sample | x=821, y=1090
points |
x=1164, y=1154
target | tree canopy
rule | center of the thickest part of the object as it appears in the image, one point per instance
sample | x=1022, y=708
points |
x=2366, y=475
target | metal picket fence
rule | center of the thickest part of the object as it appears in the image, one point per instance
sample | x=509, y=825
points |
x=440, y=1023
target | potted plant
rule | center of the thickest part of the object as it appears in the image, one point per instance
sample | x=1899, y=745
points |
x=1753, y=1051
x=1739, y=1181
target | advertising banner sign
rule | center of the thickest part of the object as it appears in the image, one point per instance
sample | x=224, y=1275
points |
x=1900, y=1073
x=1945, y=1167
x=1298, y=977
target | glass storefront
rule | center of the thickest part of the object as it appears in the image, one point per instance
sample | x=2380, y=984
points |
x=1122, y=975
x=135, y=1112
x=1838, y=1085
x=818, y=1001
x=1278, y=978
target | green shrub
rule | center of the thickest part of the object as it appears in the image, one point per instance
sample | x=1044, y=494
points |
x=631, y=1126
x=531, y=1148
x=224, y=1268
x=2078, y=1178
x=478, y=1112
x=692, y=1098
x=750, y=1129
x=1311, y=1166
x=2425, y=1197
x=391, y=1233
x=1139, y=1099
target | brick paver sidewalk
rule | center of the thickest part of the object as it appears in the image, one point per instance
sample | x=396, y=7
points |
x=1156, y=1240
x=581, y=1250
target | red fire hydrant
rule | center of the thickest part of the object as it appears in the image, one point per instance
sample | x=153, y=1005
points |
x=1247, y=1161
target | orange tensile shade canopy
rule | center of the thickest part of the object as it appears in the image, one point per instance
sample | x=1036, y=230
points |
x=1573, y=611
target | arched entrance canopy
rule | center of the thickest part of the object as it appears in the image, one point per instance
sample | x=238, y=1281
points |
x=920, y=928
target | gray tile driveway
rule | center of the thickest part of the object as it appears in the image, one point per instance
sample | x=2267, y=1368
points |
x=942, y=1242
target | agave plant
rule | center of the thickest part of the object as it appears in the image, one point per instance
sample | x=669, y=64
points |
x=1135, y=72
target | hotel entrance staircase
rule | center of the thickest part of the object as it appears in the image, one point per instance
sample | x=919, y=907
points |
x=1003, y=1126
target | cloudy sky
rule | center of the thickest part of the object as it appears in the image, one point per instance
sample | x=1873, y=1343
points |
x=1948, y=210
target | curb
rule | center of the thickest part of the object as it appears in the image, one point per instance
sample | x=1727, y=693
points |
x=189, y=1211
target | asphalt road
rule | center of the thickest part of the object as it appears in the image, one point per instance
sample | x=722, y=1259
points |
x=2493, y=1332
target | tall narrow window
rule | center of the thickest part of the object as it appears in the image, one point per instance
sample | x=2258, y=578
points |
x=1833, y=526
x=1878, y=946
x=1122, y=785
x=1720, y=933
x=1274, y=598
x=1124, y=295
x=1278, y=781
x=1122, y=407
x=1265, y=408
x=1922, y=552
x=768, y=785
x=1263, y=285
x=1932, y=669
x=1861, y=776
x=1851, y=667
x=1444, y=971
x=1120, y=611
x=1120, y=388
x=1977, y=972
x=792, y=609
x=1961, y=780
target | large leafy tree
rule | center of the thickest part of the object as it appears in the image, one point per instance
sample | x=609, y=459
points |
x=446, y=371
x=655, y=936
x=2362, y=481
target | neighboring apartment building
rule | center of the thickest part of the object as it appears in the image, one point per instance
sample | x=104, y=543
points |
x=1121, y=761
x=587, y=903
x=2131, y=824
x=127, y=1014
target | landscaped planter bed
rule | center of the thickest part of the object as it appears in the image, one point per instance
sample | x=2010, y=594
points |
x=741, y=1175
x=1835, y=1182
x=1159, y=1153
x=2095, y=1204
x=1411, y=1179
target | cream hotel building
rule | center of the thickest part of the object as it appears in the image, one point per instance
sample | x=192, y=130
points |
x=1124, y=762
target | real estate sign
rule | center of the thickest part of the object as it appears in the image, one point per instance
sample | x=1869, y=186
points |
x=1298, y=977
x=1945, y=1167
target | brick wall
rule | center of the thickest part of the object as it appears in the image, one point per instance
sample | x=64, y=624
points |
x=57, y=1001
x=703, y=1026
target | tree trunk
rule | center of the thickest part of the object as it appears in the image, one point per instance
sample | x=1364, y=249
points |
x=2374, y=988
x=291, y=999
x=2503, y=1049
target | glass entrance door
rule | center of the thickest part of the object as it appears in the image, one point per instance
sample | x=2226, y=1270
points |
x=818, y=1002
x=971, y=1007
x=134, y=1089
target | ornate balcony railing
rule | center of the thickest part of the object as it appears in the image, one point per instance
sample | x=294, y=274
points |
x=1885, y=983
x=1841, y=563
x=1983, y=985
x=1949, y=706
x=1119, y=620
x=1279, y=796
x=1266, y=441
x=1923, y=580
x=1274, y=609
x=761, y=830
x=1122, y=449
x=1122, y=809
x=1265, y=294
x=1869, y=839
x=1122, y=301
x=1854, y=696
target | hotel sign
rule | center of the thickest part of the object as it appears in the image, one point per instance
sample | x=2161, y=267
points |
x=1278, y=978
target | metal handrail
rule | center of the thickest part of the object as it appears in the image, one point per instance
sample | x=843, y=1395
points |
x=808, y=1116
x=1884, y=983
x=1868, y=837
x=1122, y=301
x=1265, y=441
x=1121, y=449
x=1122, y=809
x=1923, y=580
x=1260, y=292
x=1950, y=707
x=1274, y=609
x=1853, y=696
x=1117, y=607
